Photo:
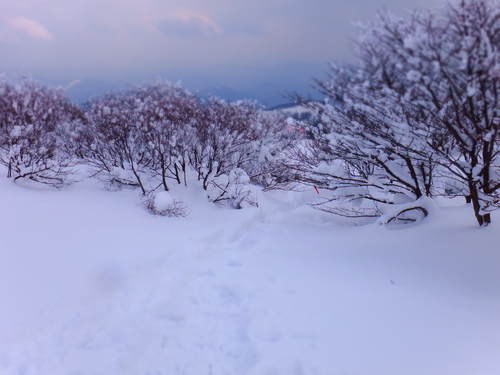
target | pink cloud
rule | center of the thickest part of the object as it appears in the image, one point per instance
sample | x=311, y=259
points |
x=15, y=28
x=187, y=23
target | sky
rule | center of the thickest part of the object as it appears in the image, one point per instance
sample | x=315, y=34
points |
x=99, y=37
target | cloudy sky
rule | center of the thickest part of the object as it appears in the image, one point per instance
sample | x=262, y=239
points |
x=146, y=35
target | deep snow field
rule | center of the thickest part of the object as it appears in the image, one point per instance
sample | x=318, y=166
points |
x=92, y=284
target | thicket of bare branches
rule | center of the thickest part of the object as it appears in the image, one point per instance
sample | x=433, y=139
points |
x=31, y=118
x=146, y=137
x=150, y=135
x=139, y=137
x=419, y=115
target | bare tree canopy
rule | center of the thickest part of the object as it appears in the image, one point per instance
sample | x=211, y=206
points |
x=419, y=115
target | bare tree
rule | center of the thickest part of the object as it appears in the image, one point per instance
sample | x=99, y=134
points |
x=420, y=110
x=452, y=60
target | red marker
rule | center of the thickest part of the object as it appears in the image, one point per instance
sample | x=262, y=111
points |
x=315, y=188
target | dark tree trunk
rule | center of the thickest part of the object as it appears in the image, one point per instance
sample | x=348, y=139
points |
x=482, y=219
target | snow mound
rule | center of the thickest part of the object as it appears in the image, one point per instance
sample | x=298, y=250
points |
x=163, y=201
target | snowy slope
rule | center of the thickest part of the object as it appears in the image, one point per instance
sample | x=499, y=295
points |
x=90, y=283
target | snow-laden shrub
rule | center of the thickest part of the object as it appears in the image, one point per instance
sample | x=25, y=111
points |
x=232, y=190
x=31, y=116
x=398, y=210
x=162, y=203
x=405, y=119
x=267, y=166
x=151, y=135
x=111, y=144
x=229, y=136
x=168, y=114
x=145, y=133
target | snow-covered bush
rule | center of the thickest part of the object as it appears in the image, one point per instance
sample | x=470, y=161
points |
x=232, y=190
x=225, y=133
x=241, y=135
x=161, y=203
x=111, y=141
x=421, y=108
x=452, y=61
x=366, y=144
x=142, y=136
x=31, y=115
x=365, y=161
x=168, y=114
x=151, y=134
x=277, y=134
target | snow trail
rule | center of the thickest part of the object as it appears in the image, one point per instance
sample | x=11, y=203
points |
x=91, y=284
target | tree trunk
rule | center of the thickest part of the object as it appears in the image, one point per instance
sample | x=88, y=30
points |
x=482, y=219
x=138, y=178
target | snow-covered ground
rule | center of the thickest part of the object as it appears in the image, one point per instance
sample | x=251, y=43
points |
x=92, y=284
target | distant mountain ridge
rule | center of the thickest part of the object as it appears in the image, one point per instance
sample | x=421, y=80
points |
x=222, y=92
x=84, y=89
x=268, y=85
